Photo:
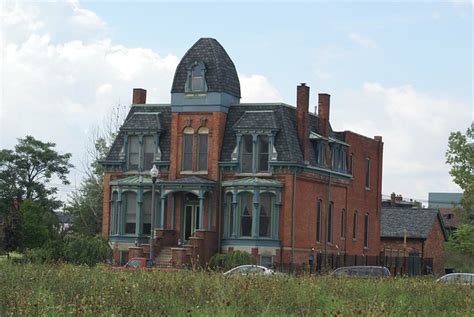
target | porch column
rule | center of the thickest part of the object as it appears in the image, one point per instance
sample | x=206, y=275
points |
x=255, y=213
x=276, y=217
x=201, y=210
x=138, y=215
x=162, y=209
x=172, y=209
x=209, y=211
x=120, y=215
x=234, y=214
x=227, y=208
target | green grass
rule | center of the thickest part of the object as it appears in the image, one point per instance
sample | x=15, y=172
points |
x=57, y=290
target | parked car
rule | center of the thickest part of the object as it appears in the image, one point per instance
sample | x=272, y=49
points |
x=457, y=278
x=139, y=263
x=250, y=269
x=362, y=271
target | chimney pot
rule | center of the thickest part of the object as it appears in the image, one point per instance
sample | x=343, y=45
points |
x=139, y=96
x=323, y=112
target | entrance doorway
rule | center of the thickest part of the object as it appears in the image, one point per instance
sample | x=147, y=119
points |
x=191, y=220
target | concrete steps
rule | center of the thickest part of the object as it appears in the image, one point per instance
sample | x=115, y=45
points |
x=164, y=258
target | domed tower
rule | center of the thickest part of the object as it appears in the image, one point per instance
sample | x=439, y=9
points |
x=205, y=79
x=205, y=84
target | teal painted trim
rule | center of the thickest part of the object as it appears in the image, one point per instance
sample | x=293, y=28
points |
x=310, y=168
x=129, y=239
x=110, y=162
x=251, y=242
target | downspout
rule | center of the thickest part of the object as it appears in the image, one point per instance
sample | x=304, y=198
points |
x=218, y=216
x=293, y=203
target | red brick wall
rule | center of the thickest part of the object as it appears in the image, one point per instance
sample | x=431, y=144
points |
x=434, y=247
x=216, y=124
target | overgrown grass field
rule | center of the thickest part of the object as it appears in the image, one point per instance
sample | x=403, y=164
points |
x=57, y=290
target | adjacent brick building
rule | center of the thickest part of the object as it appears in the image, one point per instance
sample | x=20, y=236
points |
x=268, y=178
x=415, y=234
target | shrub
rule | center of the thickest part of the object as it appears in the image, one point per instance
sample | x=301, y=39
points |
x=88, y=250
x=226, y=261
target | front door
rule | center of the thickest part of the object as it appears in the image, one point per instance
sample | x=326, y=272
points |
x=191, y=220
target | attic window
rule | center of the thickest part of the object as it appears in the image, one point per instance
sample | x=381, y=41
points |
x=196, y=81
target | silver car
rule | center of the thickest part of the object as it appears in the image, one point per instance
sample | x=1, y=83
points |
x=250, y=269
x=362, y=271
x=457, y=278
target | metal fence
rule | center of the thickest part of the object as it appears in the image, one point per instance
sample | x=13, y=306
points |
x=325, y=263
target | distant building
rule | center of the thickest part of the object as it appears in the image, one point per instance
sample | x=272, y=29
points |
x=446, y=203
x=416, y=233
x=65, y=220
x=398, y=201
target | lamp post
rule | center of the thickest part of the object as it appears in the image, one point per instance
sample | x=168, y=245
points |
x=154, y=173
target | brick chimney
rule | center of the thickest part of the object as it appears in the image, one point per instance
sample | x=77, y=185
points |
x=393, y=198
x=323, y=113
x=139, y=96
x=302, y=118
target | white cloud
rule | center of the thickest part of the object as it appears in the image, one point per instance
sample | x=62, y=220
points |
x=415, y=127
x=57, y=83
x=363, y=41
x=257, y=88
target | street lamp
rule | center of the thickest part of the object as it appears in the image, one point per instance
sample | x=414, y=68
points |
x=154, y=173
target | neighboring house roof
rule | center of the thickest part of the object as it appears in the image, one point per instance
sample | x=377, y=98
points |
x=221, y=75
x=417, y=221
x=138, y=117
x=252, y=181
x=444, y=200
x=450, y=218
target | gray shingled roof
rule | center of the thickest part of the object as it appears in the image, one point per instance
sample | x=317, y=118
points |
x=142, y=120
x=252, y=119
x=286, y=140
x=417, y=221
x=221, y=75
x=189, y=180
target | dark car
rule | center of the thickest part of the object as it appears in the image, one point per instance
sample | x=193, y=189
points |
x=362, y=271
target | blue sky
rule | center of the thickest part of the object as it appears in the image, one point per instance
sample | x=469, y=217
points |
x=401, y=70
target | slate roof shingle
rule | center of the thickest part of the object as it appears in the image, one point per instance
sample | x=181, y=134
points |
x=417, y=221
x=142, y=121
x=221, y=75
x=257, y=120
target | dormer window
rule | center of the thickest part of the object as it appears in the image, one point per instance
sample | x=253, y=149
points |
x=196, y=81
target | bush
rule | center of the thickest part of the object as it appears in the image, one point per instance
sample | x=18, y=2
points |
x=88, y=250
x=226, y=261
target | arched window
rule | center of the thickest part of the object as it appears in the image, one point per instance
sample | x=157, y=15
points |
x=329, y=229
x=148, y=152
x=196, y=81
x=130, y=212
x=133, y=152
x=265, y=215
x=246, y=206
x=188, y=135
x=366, y=230
x=203, y=134
x=343, y=223
x=354, y=225
x=318, y=220
x=146, y=209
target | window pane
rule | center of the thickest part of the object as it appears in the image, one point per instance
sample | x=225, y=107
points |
x=367, y=173
x=246, y=152
x=318, y=221
x=133, y=150
x=246, y=204
x=343, y=223
x=329, y=233
x=146, y=209
x=202, y=163
x=366, y=231
x=148, y=152
x=130, y=212
x=265, y=215
x=354, y=225
x=188, y=152
x=262, y=153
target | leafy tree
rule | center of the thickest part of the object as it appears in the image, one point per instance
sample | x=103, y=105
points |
x=25, y=174
x=39, y=225
x=460, y=155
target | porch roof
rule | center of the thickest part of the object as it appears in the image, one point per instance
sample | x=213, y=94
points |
x=252, y=181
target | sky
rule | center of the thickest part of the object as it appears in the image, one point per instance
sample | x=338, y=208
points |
x=399, y=69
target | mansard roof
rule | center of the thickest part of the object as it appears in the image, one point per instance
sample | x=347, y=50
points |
x=144, y=118
x=257, y=119
x=417, y=221
x=221, y=75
